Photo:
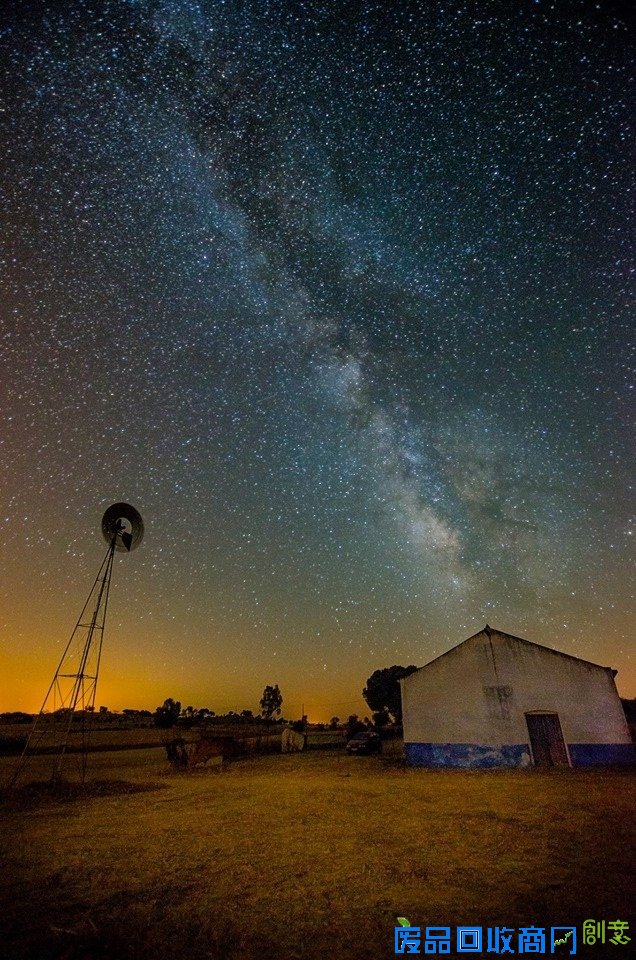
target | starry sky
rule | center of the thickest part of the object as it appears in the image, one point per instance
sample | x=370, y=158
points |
x=337, y=296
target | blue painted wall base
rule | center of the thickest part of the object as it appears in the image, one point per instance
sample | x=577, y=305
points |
x=476, y=756
x=601, y=754
x=468, y=755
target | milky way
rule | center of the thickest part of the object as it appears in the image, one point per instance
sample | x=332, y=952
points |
x=335, y=294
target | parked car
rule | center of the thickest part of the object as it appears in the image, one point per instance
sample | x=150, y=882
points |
x=365, y=742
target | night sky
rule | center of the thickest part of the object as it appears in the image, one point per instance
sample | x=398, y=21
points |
x=337, y=296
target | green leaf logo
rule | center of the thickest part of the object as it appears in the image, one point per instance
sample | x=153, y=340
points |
x=403, y=922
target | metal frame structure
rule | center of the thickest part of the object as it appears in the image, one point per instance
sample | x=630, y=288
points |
x=70, y=698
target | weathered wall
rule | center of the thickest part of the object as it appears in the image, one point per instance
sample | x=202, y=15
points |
x=476, y=696
x=291, y=741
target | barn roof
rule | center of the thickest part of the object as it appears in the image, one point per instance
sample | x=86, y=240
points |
x=488, y=630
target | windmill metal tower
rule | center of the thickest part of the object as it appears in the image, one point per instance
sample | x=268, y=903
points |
x=65, y=717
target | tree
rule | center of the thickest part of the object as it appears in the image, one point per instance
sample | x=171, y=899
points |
x=334, y=723
x=629, y=706
x=354, y=725
x=188, y=717
x=381, y=719
x=382, y=691
x=167, y=715
x=271, y=702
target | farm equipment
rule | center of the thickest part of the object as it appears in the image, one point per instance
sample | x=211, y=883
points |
x=184, y=755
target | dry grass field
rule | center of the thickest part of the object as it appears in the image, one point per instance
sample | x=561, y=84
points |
x=112, y=737
x=99, y=737
x=305, y=857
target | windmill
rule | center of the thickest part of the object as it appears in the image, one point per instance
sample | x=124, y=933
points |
x=70, y=699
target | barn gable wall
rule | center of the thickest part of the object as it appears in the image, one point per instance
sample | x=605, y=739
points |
x=476, y=696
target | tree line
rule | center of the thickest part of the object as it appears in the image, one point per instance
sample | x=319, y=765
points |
x=170, y=712
x=381, y=692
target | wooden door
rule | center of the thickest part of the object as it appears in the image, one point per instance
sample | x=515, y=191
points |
x=546, y=740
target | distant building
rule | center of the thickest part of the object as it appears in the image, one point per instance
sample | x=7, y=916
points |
x=499, y=701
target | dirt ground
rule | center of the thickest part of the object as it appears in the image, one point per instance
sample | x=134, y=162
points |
x=306, y=857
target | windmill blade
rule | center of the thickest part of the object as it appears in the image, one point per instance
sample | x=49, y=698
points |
x=123, y=523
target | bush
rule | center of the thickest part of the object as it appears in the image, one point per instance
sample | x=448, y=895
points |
x=10, y=746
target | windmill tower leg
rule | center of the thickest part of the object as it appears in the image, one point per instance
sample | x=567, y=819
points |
x=70, y=699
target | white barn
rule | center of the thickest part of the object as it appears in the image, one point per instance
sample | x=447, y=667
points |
x=497, y=700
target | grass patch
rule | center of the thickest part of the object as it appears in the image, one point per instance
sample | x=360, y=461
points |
x=37, y=793
x=309, y=856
